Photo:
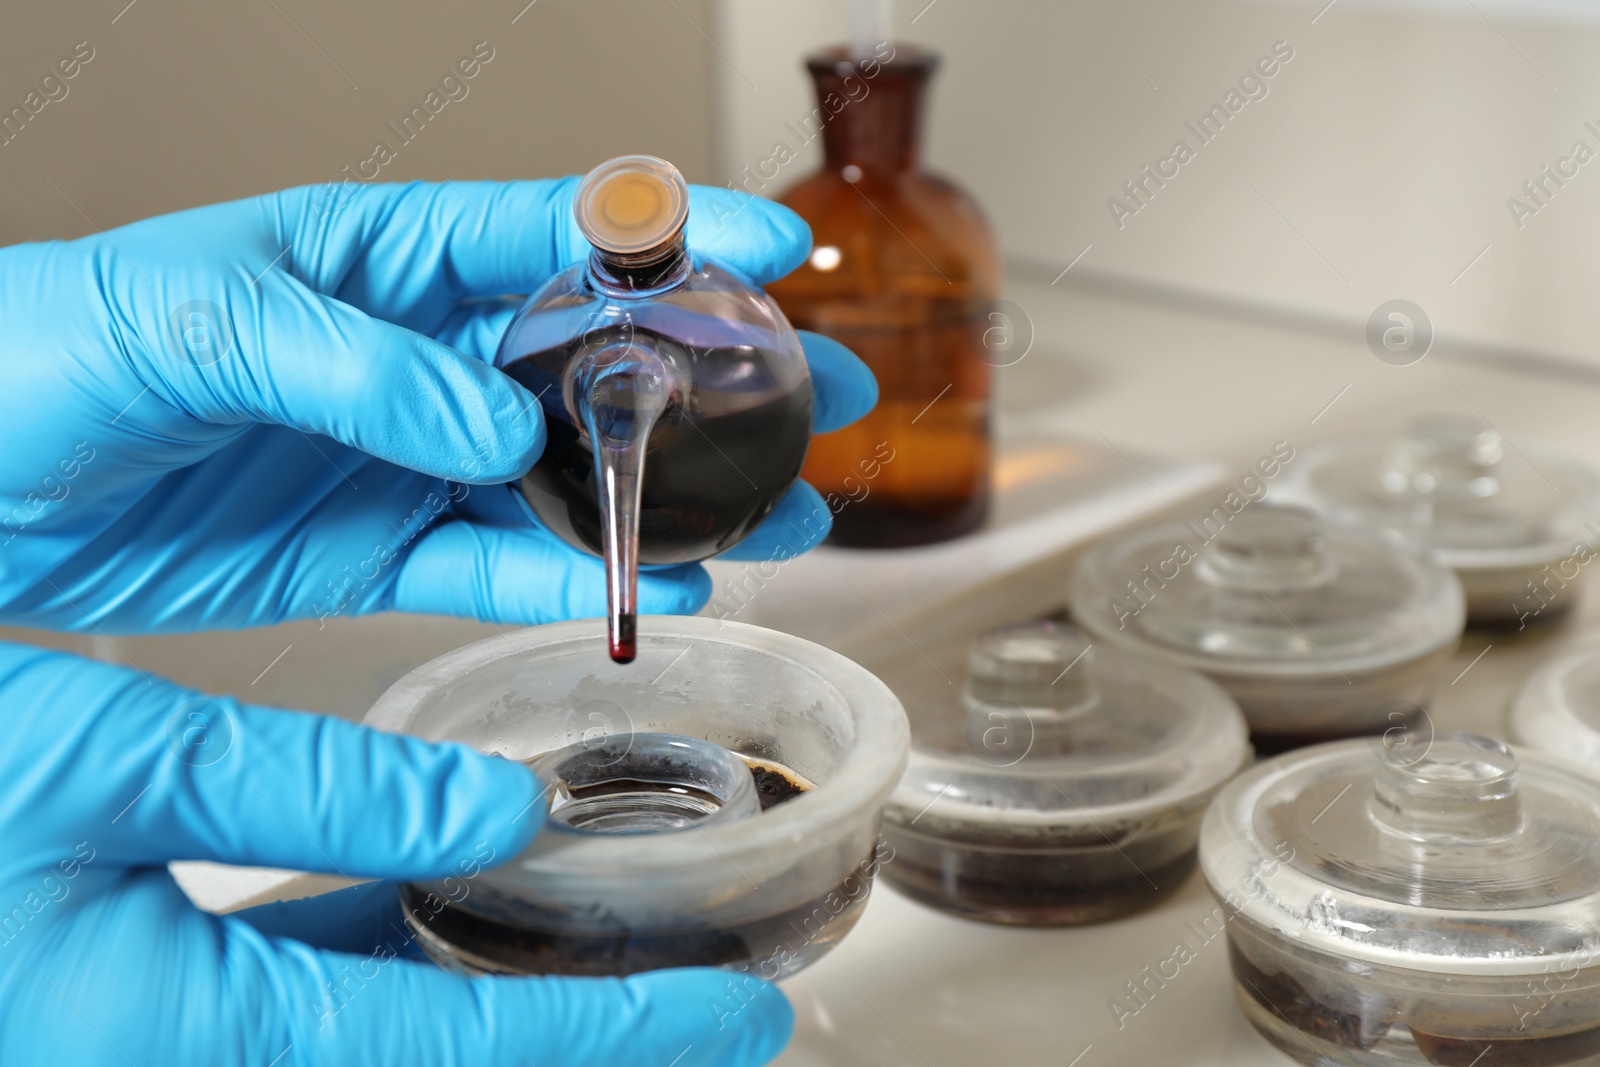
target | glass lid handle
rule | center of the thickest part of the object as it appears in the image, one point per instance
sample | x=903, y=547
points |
x=1042, y=667
x=1451, y=787
x=1446, y=456
x=1269, y=549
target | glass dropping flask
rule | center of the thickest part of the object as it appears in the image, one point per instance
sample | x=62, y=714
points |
x=676, y=396
x=904, y=272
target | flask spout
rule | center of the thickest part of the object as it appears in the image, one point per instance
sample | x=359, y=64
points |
x=620, y=392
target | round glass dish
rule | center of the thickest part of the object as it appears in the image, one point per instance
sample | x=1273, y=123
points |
x=1064, y=785
x=1515, y=524
x=1557, y=709
x=1412, y=900
x=1318, y=628
x=768, y=893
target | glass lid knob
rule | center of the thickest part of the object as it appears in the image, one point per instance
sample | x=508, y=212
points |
x=1453, y=787
x=1269, y=549
x=1041, y=668
x=1447, y=456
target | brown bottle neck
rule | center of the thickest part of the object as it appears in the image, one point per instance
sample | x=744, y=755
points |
x=870, y=107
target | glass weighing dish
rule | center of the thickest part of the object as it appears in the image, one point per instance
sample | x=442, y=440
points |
x=1558, y=707
x=1412, y=900
x=1318, y=628
x=1064, y=785
x=652, y=856
x=1515, y=523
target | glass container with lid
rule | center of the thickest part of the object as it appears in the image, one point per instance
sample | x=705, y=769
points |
x=1558, y=707
x=1414, y=899
x=717, y=804
x=1319, y=628
x=1515, y=522
x=676, y=396
x=1064, y=785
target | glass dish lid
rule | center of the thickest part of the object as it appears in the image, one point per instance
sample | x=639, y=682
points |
x=1053, y=734
x=1453, y=483
x=1272, y=590
x=1558, y=707
x=1437, y=853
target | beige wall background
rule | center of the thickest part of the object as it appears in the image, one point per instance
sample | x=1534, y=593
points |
x=1377, y=166
x=188, y=102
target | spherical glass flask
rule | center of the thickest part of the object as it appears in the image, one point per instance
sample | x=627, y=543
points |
x=676, y=395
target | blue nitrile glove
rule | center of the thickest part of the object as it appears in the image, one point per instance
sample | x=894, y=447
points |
x=280, y=408
x=105, y=776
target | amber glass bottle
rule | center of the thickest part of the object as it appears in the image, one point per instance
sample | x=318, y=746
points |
x=903, y=270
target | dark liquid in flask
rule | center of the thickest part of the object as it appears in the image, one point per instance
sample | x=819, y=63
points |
x=718, y=459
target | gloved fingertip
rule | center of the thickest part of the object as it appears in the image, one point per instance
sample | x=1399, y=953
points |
x=771, y=1025
x=806, y=520
x=845, y=387
x=517, y=442
x=528, y=432
x=492, y=805
x=791, y=234
x=674, y=591
x=799, y=523
x=760, y=238
x=748, y=1021
x=345, y=920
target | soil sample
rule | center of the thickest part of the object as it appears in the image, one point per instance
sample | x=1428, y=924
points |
x=562, y=944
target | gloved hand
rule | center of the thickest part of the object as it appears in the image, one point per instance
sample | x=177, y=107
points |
x=106, y=776
x=280, y=408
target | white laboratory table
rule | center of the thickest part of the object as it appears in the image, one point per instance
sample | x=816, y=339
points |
x=911, y=986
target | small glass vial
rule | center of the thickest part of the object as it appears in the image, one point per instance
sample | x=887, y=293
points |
x=676, y=397
x=1319, y=628
x=1415, y=899
x=1516, y=524
x=1065, y=786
